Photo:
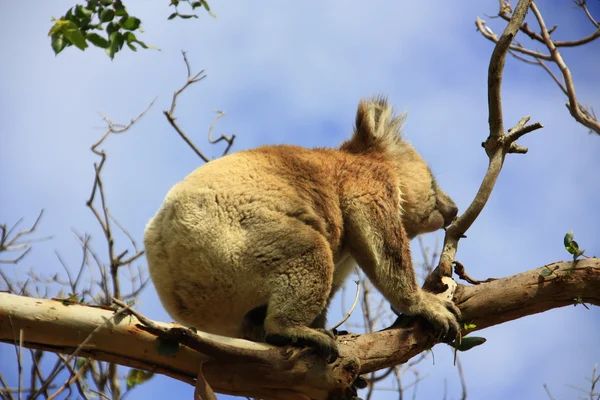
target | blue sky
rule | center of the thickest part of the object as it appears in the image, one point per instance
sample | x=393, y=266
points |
x=292, y=72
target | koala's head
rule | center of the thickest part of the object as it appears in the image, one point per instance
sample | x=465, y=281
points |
x=426, y=208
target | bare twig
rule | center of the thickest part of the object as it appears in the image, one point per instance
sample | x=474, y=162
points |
x=69, y=382
x=581, y=114
x=560, y=43
x=356, y=297
x=463, y=382
x=583, y=5
x=459, y=270
x=224, y=137
x=548, y=392
x=578, y=112
x=82, y=346
x=98, y=189
x=19, y=361
x=6, y=391
x=8, y=243
x=491, y=36
x=170, y=115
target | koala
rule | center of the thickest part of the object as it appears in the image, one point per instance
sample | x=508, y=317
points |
x=255, y=244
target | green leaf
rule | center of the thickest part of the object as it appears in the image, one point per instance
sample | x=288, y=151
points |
x=144, y=45
x=196, y=4
x=107, y=15
x=573, y=247
x=111, y=28
x=120, y=10
x=81, y=362
x=106, y=2
x=75, y=37
x=546, y=272
x=81, y=12
x=130, y=23
x=58, y=43
x=97, y=40
x=116, y=43
x=187, y=16
x=69, y=16
x=59, y=26
x=469, y=326
x=91, y=6
x=130, y=38
x=468, y=342
x=172, y=15
x=174, y=3
x=137, y=376
x=167, y=347
x=568, y=238
x=208, y=9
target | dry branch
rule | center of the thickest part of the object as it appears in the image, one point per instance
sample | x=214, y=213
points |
x=170, y=115
x=584, y=115
x=280, y=372
x=498, y=144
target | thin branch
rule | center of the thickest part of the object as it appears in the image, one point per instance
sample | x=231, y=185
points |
x=463, y=382
x=491, y=36
x=349, y=313
x=583, y=5
x=69, y=382
x=548, y=392
x=224, y=137
x=577, y=111
x=8, y=244
x=82, y=346
x=459, y=270
x=6, y=391
x=497, y=145
x=170, y=115
x=560, y=43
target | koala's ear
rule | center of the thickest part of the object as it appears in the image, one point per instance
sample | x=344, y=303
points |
x=377, y=129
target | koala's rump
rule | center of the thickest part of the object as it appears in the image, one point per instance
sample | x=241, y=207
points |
x=218, y=239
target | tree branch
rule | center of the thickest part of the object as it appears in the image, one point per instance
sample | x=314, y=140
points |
x=497, y=145
x=285, y=373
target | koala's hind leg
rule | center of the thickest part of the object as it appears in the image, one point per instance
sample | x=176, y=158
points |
x=300, y=290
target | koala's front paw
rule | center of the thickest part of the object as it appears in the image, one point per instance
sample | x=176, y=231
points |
x=442, y=314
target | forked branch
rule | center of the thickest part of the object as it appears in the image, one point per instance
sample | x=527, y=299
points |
x=582, y=114
x=497, y=145
x=170, y=115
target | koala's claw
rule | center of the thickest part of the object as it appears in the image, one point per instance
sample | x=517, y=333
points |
x=443, y=315
x=339, y=332
x=326, y=349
